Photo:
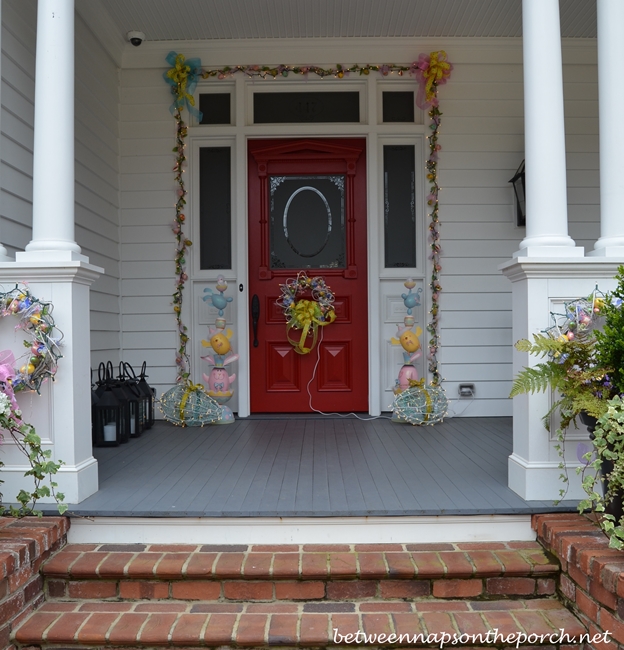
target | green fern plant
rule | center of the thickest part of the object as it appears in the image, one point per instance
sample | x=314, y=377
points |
x=571, y=372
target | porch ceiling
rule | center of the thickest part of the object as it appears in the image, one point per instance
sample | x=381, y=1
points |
x=179, y=20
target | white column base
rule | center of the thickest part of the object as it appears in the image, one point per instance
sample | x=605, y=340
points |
x=541, y=287
x=34, y=256
x=550, y=251
x=541, y=481
x=608, y=251
x=75, y=482
x=61, y=415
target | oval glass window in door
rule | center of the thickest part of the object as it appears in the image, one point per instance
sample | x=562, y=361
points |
x=307, y=222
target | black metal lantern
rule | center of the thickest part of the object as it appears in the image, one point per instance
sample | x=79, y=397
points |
x=138, y=400
x=520, y=191
x=149, y=392
x=108, y=416
x=133, y=396
x=94, y=400
x=107, y=382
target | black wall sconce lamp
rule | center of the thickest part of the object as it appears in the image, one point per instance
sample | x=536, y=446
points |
x=519, y=189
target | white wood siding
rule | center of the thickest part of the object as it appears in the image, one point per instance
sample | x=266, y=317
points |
x=482, y=141
x=97, y=160
x=147, y=212
x=482, y=145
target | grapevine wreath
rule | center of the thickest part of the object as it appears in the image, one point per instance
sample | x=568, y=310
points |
x=303, y=313
x=35, y=319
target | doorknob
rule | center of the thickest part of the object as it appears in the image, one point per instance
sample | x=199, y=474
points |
x=255, y=317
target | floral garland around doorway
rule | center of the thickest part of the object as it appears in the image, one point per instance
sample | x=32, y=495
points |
x=431, y=71
x=435, y=70
x=182, y=79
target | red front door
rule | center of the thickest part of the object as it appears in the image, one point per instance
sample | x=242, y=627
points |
x=307, y=212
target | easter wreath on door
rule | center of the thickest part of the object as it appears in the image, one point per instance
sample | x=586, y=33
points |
x=305, y=314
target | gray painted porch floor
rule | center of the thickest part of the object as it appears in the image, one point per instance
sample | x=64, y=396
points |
x=311, y=467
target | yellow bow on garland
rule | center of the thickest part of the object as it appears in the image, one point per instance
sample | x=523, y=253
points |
x=438, y=69
x=182, y=77
x=306, y=315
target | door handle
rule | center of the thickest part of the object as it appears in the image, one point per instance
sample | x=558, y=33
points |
x=255, y=317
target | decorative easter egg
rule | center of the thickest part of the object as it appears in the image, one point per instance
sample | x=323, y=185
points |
x=409, y=341
x=189, y=405
x=220, y=343
x=407, y=373
x=421, y=405
x=219, y=383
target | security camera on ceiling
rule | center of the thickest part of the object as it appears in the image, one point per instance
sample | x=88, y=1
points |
x=136, y=38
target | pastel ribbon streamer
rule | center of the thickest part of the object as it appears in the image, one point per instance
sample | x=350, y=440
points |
x=182, y=78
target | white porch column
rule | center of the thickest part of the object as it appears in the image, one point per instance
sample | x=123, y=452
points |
x=611, y=104
x=55, y=270
x=544, y=134
x=53, y=154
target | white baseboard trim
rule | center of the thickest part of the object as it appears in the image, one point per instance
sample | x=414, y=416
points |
x=304, y=530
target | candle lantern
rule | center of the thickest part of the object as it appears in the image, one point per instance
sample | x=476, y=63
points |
x=148, y=392
x=132, y=395
x=108, y=416
x=106, y=382
x=139, y=405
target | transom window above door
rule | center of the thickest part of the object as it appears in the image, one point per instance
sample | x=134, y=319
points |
x=306, y=107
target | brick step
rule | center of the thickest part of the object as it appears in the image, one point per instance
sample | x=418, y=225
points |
x=310, y=572
x=143, y=624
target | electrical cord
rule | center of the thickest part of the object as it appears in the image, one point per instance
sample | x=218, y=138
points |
x=340, y=415
x=452, y=414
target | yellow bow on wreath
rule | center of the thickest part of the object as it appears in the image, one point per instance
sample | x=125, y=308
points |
x=306, y=315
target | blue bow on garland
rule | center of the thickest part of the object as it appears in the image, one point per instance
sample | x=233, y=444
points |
x=182, y=78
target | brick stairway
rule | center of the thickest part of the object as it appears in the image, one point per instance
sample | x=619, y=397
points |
x=143, y=596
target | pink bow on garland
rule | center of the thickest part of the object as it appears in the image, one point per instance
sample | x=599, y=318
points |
x=7, y=373
x=431, y=71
